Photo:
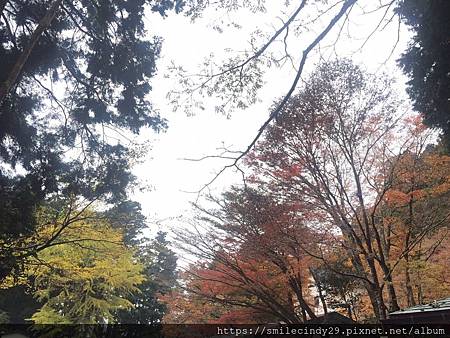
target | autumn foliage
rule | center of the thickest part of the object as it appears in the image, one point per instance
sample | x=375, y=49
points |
x=346, y=209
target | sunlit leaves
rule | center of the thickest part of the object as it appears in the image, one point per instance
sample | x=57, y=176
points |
x=84, y=277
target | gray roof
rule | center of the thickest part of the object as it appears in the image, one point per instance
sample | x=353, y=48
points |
x=437, y=305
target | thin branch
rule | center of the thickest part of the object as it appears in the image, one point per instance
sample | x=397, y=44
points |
x=260, y=51
x=347, y=4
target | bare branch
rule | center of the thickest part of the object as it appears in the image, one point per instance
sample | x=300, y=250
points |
x=345, y=7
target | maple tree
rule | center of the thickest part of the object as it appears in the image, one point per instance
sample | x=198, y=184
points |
x=324, y=149
x=186, y=308
x=417, y=207
x=252, y=256
x=331, y=184
x=189, y=307
x=333, y=148
x=235, y=80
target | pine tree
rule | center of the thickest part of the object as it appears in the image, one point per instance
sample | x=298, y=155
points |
x=160, y=271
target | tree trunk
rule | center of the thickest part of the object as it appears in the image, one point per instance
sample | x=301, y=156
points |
x=409, y=289
x=370, y=254
x=373, y=300
x=374, y=290
x=370, y=287
x=319, y=290
x=353, y=311
x=419, y=277
x=380, y=303
x=387, y=273
x=2, y=6
x=291, y=301
x=45, y=22
x=349, y=311
x=346, y=302
x=419, y=294
x=393, y=302
x=378, y=293
x=305, y=318
x=297, y=287
x=392, y=295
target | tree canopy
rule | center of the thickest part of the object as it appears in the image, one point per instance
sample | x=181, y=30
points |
x=74, y=78
x=345, y=194
x=159, y=269
x=330, y=194
x=83, y=277
x=426, y=61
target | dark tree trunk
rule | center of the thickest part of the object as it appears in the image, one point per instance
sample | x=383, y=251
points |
x=297, y=288
x=319, y=290
x=409, y=289
x=393, y=302
x=378, y=293
x=45, y=22
x=370, y=287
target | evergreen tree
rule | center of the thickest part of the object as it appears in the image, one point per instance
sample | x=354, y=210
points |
x=160, y=271
x=426, y=60
x=17, y=304
x=127, y=216
x=74, y=75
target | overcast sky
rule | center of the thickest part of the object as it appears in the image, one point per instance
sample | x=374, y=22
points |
x=169, y=177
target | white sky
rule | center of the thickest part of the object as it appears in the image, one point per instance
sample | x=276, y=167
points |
x=187, y=44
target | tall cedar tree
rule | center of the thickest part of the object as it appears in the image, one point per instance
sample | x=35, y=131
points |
x=426, y=60
x=73, y=73
x=159, y=268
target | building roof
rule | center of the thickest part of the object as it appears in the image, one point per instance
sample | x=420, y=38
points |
x=331, y=318
x=437, y=305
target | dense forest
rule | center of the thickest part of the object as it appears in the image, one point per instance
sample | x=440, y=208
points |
x=344, y=199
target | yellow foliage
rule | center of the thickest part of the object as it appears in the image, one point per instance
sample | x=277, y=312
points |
x=85, y=274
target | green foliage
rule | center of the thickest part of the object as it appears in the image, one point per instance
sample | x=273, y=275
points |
x=426, y=60
x=341, y=289
x=46, y=315
x=160, y=271
x=127, y=217
x=84, y=82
